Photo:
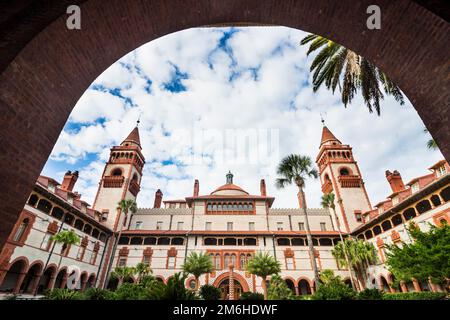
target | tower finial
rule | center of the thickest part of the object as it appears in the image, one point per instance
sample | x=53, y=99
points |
x=321, y=119
x=138, y=120
x=229, y=177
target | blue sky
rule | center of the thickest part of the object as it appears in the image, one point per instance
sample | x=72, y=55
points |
x=217, y=99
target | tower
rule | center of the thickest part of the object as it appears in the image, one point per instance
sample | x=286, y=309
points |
x=340, y=174
x=120, y=180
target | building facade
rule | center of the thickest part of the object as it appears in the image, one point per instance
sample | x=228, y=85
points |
x=228, y=223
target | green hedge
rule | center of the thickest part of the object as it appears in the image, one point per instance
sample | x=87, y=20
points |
x=415, y=296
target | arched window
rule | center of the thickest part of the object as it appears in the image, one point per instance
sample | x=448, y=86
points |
x=209, y=207
x=397, y=219
x=376, y=230
x=242, y=261
x=233, y=260
x=21, y=230
x=368, y=234
x=33, y=200
x=58, y=213
x=150, y=240
x=95, y=233
x=325, y=242
x=297, y=242
x=163, y=241
x=102, y=237
x=344, y=172
x=315, y=242
x=44, y=206
x=124, y=240
x=229, y=241
x=326, y=178
x=235, y=207
x=79, y=224
x=435, y=200
x=283, y=242
x=177, y=241
x=249, y=241
x=136, y=241
x=219, y=207
x=116, y=172
x=226, y=260
x=135, y=178
x=423, y=206
x=445, y=194
x=386, y=225
x=210, y=241
x=217, y=262
x=68, y=219
x=87, y=229
x=408, y=214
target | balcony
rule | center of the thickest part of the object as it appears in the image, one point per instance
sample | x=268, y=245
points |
x=134, y=188
x=113, y=181
x=350, y=181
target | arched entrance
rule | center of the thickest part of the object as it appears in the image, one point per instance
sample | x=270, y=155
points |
x=384, y=285
x=71, y=60
x=14, y=276
x=304, y=287
x=91, y=281
x=31, y=279
x=61, y=279
x=224, y=287
x=45, y=282
x=290, y=283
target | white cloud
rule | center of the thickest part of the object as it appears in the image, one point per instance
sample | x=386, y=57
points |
x=278, y=98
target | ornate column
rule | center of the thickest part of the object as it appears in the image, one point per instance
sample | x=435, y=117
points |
x=51, y=282
x=35, y=282
x=231, y=283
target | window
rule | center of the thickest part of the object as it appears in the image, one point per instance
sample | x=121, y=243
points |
x=104, y=215
x=138, y=225
x=394, y=200
x=229, y=226
x=122, y=262
x=290, y=263
x=46, y=242
x=207, y=225
x=217, y=262
x=358, y=216
x=251, y=226
x=21, y=230
x=146, y=260
x=159, y=225
x=243, y=261
x=323, y=226
x=441, y=171
x=301, y=226
x=171, y=262
x=415, y=187
x=344, y=172
x=180, y=225
x=279, y=226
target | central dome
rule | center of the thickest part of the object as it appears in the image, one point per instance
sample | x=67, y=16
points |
x=229, y=189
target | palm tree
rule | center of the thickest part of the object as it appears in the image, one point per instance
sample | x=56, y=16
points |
x=142, y=270
x=122, y=273
x=294, y=169
x=124, y=206
x=66, y=238
x=431, y=144
x=263, y=265
x=198, y=264
x=334, y=62
x=361, y=254
x=328, y=203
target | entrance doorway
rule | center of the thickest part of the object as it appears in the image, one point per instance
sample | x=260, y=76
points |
x=224, y=287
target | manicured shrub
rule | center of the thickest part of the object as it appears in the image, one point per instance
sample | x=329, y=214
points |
x=251, y=296
x=63, y=294
x=99, y=294
x=209, y=292
x=131, y=291
x=415, y=296
x=370, y=294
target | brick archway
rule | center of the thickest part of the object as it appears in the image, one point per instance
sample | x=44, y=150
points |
x=236, y=276
x=45, y=67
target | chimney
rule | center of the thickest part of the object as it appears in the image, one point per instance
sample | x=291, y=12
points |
x=196, y=188
x=300, y=201
x=158, y=199
x=262, y=187
x=69, y=180
x=395, y=180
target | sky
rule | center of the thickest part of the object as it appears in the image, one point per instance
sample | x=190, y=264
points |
x=212, y=100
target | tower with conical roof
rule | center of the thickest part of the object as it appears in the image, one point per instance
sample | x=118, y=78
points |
x=340, y=174
x=121, y=179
